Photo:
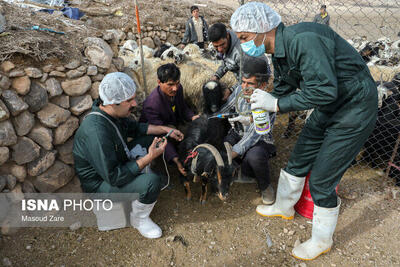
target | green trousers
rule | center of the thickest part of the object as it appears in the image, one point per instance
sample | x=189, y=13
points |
x=329, y=142
x=148, y=186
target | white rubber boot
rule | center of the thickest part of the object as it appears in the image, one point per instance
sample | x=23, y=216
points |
x=140, y=220
x=288, y=193
x=324, y=224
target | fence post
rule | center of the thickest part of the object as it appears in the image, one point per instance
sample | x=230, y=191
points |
x=140, y=46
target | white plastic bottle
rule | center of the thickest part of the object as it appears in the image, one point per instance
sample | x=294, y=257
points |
x=261, y=121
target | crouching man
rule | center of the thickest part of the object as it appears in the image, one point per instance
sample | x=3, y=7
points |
x=253, y=149
x=104, y=162
x=166, y=106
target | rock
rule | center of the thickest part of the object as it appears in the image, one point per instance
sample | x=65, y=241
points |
x=14, y=103
x=72, y=74
x=41, y=164
x=118, y=63
x=92, y=70
x=53, y=87
x=163, y=35
x=147, y=41
x=48, y=68
x=94, y=91
x=173, y=38
x=61, y=101
x=4, y=82
x=77, y=87
x=21, y=85
x=18, y=171
x=16, y=73
x=115, y=36
x=157, y=41
x=33, y=72
x=56, y=73
x=44, y=77
x=3, y=182
x=80, y=104
x=65, y=152
x=42, y=136
x=296, y=243
x=285, y=231
x=16, y=194
x=4, y=113
x=52, y=115
x=82, y=69
x=11, y=181
x=302, y=227
x=25, y=150
x=98, y=52
x=60, y=68
x=23, y=123
x=7, y=262
x=7, y=134
x=291, y=232
x=130, y=36
x=112, y=69
x=75, y=226
x=54, y=178
x=73, y=64
x=98, y=78
x=36, y=98
x=6, y=66
x=4, y=155
x=27, y=187
x=65, y=130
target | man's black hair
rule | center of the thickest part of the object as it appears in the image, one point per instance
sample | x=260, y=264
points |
x=256, y=66
x=323, y=6
x=193, y=8
x=216, y=32
x=168, y=72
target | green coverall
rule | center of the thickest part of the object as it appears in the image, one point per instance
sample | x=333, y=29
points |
x=101, y=162
x=335, y=81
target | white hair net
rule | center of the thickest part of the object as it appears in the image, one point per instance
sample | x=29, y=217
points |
x=255, y=17
x=116, y=87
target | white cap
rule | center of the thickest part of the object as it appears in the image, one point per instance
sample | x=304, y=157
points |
x=255, y=17
x=116, y=87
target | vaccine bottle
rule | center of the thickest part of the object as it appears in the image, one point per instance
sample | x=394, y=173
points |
x=261, y=121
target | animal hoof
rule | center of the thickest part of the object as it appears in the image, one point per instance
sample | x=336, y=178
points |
x=203, y=202
x=188, y=198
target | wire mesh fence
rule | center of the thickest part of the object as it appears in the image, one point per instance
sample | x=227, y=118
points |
x=373, y=28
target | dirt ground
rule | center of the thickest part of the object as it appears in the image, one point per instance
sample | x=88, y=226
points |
x=230, y=233
x=227, y=234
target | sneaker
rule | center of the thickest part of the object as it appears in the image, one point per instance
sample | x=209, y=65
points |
x=268, y=195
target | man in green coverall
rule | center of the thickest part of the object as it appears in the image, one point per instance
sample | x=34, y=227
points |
x=335, y=81
x=102, y=162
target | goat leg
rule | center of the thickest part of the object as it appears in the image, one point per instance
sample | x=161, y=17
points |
x=196, y=179
x=187, y=190
x=203, y=197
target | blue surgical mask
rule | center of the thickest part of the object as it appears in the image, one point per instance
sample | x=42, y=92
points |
x=251, y=49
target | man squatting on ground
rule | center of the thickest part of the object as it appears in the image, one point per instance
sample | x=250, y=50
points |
x=335, y=81
x=254, y=149
x=166, y=106
x=102, y=164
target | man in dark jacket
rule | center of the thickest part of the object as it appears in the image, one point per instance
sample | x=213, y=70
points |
x=166, y=106
x=195, y=29
x=103, y=160
x=323, y=16
x=335, y=81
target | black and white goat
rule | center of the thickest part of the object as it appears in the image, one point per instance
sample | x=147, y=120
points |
x=203, y=151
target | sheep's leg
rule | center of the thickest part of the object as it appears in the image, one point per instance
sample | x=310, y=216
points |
x=187, y=190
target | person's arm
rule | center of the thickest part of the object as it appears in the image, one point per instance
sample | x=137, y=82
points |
x=249, y=139
x=221, y=71
x=205, y=30
x=103, y=157
x=230, y=103
x=315, y=58
x=154, y=152
x=159, y=130
x=186, y=36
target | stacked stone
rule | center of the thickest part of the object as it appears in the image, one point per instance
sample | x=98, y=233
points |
x=40, y=110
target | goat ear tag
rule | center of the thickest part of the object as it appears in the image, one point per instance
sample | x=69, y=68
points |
x=173, y=108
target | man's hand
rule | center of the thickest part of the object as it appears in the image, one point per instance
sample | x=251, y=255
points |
x=263, y=100
x=227, y=93
x=195, y=117
x=245, y=120
x=177, y=135
x=234, y=154
x=154, y=150
x=181, y=169
x=214, y=78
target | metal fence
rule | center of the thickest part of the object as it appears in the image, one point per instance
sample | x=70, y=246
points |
x=373, y=28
